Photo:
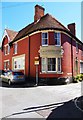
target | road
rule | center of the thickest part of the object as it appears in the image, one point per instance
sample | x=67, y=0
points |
x=40, y=102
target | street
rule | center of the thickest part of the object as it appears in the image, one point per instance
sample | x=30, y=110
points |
x=41, y=101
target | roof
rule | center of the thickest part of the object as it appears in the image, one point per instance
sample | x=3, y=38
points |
x=46, y=22
x=11, y=34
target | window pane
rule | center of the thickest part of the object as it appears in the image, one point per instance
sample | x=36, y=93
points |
x=51, y=64
x=44, y=38
x=44, y=35
x=58, y=35
x=8, y=48
x=57, y=38
x=15, y=48
x=43, y=64
x=59, y=64
x=55, y=35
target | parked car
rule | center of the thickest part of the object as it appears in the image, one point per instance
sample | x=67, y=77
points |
x=13, y=77
x=1, y=72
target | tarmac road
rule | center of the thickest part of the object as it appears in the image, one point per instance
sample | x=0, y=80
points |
x=41, y=102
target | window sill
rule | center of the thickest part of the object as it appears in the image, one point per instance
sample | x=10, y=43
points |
x=44, y=45
x=58, y=45
x=6, y=54
x=51, y=72
x=76, y=52
x=15, y=54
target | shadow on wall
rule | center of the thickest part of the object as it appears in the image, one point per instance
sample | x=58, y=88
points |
x=72, y=109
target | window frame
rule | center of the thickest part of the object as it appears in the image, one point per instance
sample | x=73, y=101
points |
x=7, y=65
x=57, y=38
x=15, y=48
x=46, y=66
x=51, y=65
x=8, y=49
x=44, y=39
x=58, y=64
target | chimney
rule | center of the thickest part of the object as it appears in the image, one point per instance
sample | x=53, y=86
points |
x=72, y=28
x=39, y=12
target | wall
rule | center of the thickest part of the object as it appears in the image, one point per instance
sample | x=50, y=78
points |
x=0, y=59
x=33, y=44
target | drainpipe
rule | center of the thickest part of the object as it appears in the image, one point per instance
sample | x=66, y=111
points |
x=72, y=57
x=29, y=57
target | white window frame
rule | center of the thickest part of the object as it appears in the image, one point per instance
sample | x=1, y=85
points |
x=16, y=59
x=4, y=50
x=44, y=38
x=5, y=64
x=51, y=65
x=15, y=48
x=46, y=66
x=8, y=49
x=81, y=62
x=57, y=38
x=58, y=64
x=43, y=65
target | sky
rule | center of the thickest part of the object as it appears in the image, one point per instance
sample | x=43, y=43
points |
x=17, y=15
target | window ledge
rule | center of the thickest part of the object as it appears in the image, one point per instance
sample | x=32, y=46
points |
x=15, y=54
x=51, y=72
x=44, y=45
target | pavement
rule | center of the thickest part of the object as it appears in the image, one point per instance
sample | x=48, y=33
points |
x=46, y=102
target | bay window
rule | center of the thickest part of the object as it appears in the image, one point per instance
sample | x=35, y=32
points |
x=51, y=65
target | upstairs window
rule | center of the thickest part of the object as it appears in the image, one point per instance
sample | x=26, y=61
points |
x=15, y=48
x=57, y=38
x=6, y=49
x=44, y=39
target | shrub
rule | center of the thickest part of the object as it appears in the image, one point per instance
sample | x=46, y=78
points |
x=78, y=78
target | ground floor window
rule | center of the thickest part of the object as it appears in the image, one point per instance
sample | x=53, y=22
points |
x=81, y=67
x=6, y=65
x=51, y=64
x=19, y=63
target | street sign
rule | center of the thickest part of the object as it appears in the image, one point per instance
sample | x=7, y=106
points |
x=36, y=62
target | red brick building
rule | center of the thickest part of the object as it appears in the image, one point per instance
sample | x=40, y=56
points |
x=59, y=51
x=0, y=58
